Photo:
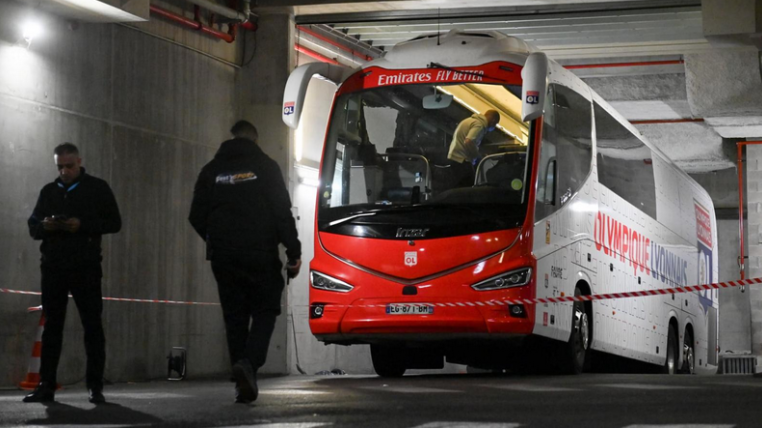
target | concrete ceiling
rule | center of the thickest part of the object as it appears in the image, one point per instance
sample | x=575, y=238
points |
x=709, y=87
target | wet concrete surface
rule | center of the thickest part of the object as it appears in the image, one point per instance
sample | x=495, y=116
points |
x=449, y=400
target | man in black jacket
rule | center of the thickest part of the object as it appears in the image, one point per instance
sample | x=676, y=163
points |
x=242, y=210
x=71, y=215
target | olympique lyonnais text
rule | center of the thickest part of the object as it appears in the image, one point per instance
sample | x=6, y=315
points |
x=616, y=238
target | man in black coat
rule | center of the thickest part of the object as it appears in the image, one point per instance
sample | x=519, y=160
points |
x=71, y=215
x=242, y=210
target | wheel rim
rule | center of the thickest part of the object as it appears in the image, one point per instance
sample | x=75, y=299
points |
x=585, y=331
x=689, y=359
x=671, y=357
x=581, y=338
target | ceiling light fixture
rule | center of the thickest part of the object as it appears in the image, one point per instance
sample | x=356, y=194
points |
x=30, y=30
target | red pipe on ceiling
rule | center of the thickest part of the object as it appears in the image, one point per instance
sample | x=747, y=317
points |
x=632, y=64
x=334, y=43
x=197, y=25
x=248, y=25
x=191, y=23
x=315, y=55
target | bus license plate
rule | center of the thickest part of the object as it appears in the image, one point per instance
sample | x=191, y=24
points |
x=409, y=309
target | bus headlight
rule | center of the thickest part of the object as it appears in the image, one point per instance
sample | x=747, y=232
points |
x=324, y=282
x=516, y=278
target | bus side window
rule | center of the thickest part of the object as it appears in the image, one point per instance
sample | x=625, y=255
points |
x=625, y=163
x=566, y=149
x=549, y=197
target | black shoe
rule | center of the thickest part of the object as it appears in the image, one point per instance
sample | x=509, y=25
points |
x=239, y=399
x=246, y=379
x=43, y=393
x=96, y=396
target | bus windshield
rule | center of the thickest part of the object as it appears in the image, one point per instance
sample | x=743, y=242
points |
x=428, y=156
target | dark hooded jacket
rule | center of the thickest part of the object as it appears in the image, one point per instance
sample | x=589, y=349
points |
x=88, y=199
x=241, y=205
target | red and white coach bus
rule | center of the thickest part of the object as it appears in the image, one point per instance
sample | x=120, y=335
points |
x=567, y=199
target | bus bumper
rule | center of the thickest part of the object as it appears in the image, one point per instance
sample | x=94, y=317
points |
x=365, y=320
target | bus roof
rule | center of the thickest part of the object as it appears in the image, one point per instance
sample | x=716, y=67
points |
x=455, y=48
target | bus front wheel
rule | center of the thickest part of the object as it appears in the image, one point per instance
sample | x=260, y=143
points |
x=579, y=341
x=386, y=361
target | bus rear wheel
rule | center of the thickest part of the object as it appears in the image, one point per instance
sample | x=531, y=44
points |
x=386, y=361
x=689, y=361
x=579, y=341
x=670, y=363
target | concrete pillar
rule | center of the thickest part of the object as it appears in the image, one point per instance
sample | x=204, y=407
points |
x=754, y=244
x=268, y=59
x=737, y=21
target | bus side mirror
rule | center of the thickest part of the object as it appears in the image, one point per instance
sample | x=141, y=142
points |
x=299, y=80
x=534, y=87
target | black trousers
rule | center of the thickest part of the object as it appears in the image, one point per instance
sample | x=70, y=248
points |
x=461, y=174
x=250, y=289
x=85, y=287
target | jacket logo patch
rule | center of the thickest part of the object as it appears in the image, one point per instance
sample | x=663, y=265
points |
x=235, y=178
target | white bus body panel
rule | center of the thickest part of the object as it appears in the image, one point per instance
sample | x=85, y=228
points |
x=635, y=328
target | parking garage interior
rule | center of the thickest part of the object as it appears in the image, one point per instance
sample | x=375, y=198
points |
x=148, y=89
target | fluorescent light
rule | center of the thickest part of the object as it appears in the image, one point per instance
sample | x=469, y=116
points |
x=31, y=30
x=98, y=11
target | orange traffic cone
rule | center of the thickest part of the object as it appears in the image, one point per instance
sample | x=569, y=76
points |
x=33, y=374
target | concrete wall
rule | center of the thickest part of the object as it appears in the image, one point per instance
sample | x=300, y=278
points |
x=146, y=114
x=735, y=312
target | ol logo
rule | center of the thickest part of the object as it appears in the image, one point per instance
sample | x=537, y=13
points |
x=533, y=97
x=288, y=108
x=411, y=258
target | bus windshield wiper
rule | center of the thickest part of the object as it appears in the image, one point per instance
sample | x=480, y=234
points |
x=351, y=217
x=465, y=72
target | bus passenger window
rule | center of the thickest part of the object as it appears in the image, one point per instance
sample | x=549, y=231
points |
x=566, y=149
x=624, y=162
x=549, y=193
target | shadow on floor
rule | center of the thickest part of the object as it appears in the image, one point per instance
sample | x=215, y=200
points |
x=102, y=414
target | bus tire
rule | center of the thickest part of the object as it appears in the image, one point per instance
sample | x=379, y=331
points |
x=670, y=362
x=386, y=361
x=689, y=357
x=577, y=348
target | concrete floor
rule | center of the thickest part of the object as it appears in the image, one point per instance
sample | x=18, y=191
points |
x=473, y=400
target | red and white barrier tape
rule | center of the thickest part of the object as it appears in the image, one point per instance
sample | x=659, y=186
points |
x=493, y=302
x=558, y=299
x=108, y=298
